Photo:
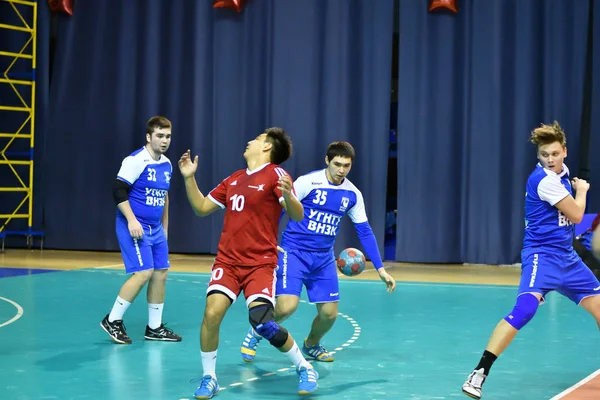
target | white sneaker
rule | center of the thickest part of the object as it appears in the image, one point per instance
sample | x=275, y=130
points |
x=472, y=386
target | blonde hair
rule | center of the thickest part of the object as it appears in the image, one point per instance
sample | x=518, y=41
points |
x=547, y=134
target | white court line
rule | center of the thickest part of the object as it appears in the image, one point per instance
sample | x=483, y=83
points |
x=576, y=386
x=109, y=266
x=452, y=285
x=17, y=316
x=358, y=281
x=122, y=265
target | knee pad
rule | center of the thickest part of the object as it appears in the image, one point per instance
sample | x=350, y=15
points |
x=525, y=309
x=261, y=319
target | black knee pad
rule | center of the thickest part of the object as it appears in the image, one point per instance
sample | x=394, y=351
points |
x=262, y=320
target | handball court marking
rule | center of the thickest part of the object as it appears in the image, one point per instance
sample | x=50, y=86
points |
x=18, y=315
x=586, y=389
x=579, y=391
x=356, y=327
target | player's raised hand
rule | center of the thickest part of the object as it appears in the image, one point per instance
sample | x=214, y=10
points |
x=285, y=185
x=389, y=281
x=186, y=165
x=580, y=184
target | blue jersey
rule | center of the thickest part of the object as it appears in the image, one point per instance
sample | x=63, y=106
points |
x=149, y=180
x=545, y=225
x=324, y=206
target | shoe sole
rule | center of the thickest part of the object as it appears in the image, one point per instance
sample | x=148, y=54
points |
x=161, y=339
x=473, y=396
x=305, y=392
x=112, y=337
x=248, y=360
x=308, y=356
x=207, y=397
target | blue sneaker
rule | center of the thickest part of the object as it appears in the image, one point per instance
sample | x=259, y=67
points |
x=307, y=380
x=317, y=352
x=248, y=349
x=208, y=388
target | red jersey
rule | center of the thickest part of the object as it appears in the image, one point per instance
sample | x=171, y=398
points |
x=252, y=204
x=595, y=222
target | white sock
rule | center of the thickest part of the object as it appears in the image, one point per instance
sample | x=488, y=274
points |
x=155, y=315
x=209, y=363
x=297, y=358
x=118, y=309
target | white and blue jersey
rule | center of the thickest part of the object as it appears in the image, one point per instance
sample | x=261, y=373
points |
x=149, y=180
x=308, y=257
x=548, y=259
x=324, y=206
x=545, y=225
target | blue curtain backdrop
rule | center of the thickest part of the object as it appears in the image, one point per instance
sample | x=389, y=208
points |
x=594, y=193
x=319, y=69
x=471, y=87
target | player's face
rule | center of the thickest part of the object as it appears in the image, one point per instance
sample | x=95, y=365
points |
x=160, y=140
x=255, y=146
x=552, y=155
x=338, y=168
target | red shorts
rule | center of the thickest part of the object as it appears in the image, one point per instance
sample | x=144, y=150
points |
x=256, y=282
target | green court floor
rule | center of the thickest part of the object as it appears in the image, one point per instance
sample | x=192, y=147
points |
x=418, y=343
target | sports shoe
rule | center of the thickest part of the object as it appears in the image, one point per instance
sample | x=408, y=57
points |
x=307, y=380
x=116, y=330
x=161, y=333
x=208, y=388
x=317, y=352
x=248, y=349
x=472, y=386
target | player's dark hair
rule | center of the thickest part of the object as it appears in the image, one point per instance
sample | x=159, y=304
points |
x=157, y=122
x=281, y=142
x=340, y=149
x=548, y=134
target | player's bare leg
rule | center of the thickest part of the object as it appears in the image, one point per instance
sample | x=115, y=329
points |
x=261, y=314
x=113, y=322
x=155, y=294
x=501, y=337
x=217, y=305
x=592, y=305
x=132, y=286
x=286, y=305
x=323, y=322
x=156, y=287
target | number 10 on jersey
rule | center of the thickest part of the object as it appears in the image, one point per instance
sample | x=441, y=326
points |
x=237, y=202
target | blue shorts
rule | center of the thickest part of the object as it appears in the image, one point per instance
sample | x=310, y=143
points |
x=545, y=271
x=315, y=270
x=149, y=252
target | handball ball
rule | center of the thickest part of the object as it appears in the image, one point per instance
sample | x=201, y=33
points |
x=351, y=262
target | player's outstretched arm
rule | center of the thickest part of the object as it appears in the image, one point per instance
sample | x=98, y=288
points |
x=291, y=204
x=369, y=243
x=200, y=204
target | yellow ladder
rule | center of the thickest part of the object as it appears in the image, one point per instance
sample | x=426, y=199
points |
x=17, y=110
